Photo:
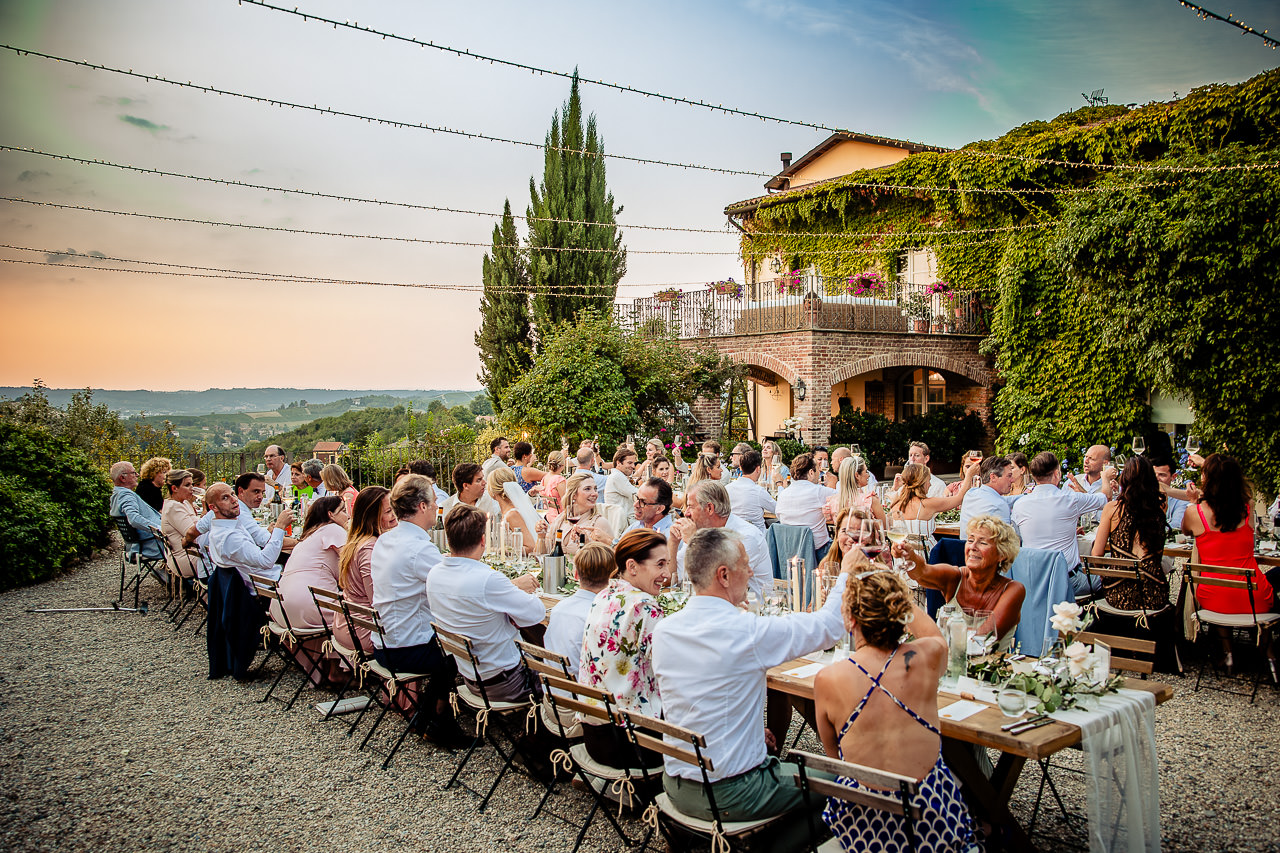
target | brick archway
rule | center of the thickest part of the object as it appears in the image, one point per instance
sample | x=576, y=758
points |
x=980, y=375
x=768, y=362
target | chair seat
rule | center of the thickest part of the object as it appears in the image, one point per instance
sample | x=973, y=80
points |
x=344, y=652
x=1116, y=611
x=300, y=633
x=600, y=771
x=737, y=827
x=399, y=677
x=832, y=846
x=466, y=695
x=1235, y=620
x=572, y=728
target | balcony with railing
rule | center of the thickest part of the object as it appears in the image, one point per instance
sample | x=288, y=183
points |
x=798, y=302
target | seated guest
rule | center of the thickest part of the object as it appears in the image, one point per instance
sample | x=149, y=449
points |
x=299, y=485
x=708, y=506
x=990, y=547
x=854, y=491
x=374, y=516
x=918, y=454
x=1222, y=524
x=1094, y=463
x=1048, y=517
x=485, y=606
x=653, y=448
x=707, y=467
x=619, y=491
x=178, y=518
x=1022, y=481
x=664, y=470
x=313, y=473
x=336, y=482
x=314, y=562
x=711, y=658
x=151, y=479
x=592, y=569
x=587, y=459
x=653, y=506
x=618, y=639
x=775, y=472
x=401, y=566
x=468, y=479
x=1133, y=527
x=499, y=451
x=735, y=459
x=234, y=619
x=1175, y=508
x=996, y=473
x=838, y=457
x=250, y=491
x=509, y=513
x=126, y=504
x=279, y=474
x=581, y=520
x=880, y=709
x=527, y=476
x=916, y=509
x=802, y=502
x=553, y=482
x=848, y=535
x=426, y=469
x=750, y=500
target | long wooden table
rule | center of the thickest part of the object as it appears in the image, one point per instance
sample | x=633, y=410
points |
x=988, y=797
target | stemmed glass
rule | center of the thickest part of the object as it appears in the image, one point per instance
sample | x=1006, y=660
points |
x=1139, y=444
x=976, y=456
x=1193, y=444
x=871, y=537
x=897, y=534
x=777, y=599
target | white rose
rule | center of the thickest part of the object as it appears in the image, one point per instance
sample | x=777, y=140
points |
x=1065, y=619
x=1079, y=659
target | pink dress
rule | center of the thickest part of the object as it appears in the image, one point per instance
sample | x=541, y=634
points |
x=359, y=590
x=550, y=484
x=349, y=498
x=314, y=562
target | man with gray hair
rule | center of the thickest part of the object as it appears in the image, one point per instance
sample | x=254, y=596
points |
x=311, y=470
x=710, y=660
x=708, y=506
x=992, y=497
x=587, y=461
x=279, y=474
x=126, y=504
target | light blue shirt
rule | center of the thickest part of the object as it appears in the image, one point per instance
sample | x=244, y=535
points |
x=141, y=516
x=231, y=546
x=985, y=500
x=565, y=626
x=1174, y=512
x=402, y=560
x=662, y=525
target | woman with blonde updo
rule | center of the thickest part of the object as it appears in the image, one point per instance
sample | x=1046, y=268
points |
x=851, y=490
x=554, y=483
x=706, y=468
x=582, y=520
x=916, y=509
x=336, y=482
x=879, y=707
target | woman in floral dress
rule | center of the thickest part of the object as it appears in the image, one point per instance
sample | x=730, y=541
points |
x=618, y=640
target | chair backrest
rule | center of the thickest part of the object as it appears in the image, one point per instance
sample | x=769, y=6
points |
x=1044, y=574
x=362, y=616
x=1113, y=568
x=648, y=733
x=544, y=661
x=460, y=647
x=127, y=533
x=327, y=600
x=1199, y=574
x=1128, y=645
x=786, y=540
x=573, y=695
x=899, y=803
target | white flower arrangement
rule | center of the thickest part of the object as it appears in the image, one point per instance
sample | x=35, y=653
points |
x=1066, y=618
x=791, y=426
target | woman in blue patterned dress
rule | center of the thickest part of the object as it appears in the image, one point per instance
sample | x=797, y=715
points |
x=880, y=708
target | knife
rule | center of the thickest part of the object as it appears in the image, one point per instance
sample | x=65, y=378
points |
x=1019, y=723
x=1029, y=726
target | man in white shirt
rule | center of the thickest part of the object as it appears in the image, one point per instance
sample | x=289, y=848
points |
x=483, y=605
x=280, y=475
x=991, y=498
x=750, y=500
x=619, y=491
x=652, y=507
x=1176, y=508
x=593, y=566
x=710, y=659
x=1048, y=518
x=838, y=456
x=918, y=452
x=250, y=492
x=500, y=450
x=468, y=479
x=802, y=502
x=401, y=566
x=311, y=469
x=230, y=544
x=708, y=506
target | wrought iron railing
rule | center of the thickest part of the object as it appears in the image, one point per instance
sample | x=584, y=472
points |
x=804, y=302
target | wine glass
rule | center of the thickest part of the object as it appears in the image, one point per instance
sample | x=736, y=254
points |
x=871, y=537
x=1139, y=444
x=855, y=449
x=776, y=599
x=897, y=534
x=1193, y=444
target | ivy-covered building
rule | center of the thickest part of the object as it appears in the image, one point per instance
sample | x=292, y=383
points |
x=1069, y=279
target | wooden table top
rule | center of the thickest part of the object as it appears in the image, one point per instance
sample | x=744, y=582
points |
x=984, y=727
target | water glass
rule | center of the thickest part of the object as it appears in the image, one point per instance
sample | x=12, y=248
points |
x=1011, y=699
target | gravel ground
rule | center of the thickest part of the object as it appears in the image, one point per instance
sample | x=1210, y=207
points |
x=111, y=738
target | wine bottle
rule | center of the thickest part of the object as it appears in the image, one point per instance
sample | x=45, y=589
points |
x=558, y=550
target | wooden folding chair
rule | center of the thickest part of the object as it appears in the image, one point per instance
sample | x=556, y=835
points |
x=494, y=719
x=390, y=679
x=1124, y=569
x=568, y=696
x=546, y=662
x=650, y=733
x=898, y=803
x=1199, y=575
x=279, y=635
x=330, y=601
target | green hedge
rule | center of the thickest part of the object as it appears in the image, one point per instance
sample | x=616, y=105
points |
x=949, y=431
x=53, y=505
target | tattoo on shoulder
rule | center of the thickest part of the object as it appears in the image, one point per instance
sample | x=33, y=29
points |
x=906, y=658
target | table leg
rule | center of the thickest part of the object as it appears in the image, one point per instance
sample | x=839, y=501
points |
x=988, y=799
x=777, y=716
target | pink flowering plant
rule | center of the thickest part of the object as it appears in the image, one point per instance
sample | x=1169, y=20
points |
x=728, y=287
x=789, y=283
x=670, y=294
x=867, y=283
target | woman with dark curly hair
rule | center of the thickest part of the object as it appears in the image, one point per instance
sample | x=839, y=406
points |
x=1133, y=527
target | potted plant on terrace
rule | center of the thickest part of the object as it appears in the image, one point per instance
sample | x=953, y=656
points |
x=728, y=287
x=789, y=283
x=915, y=307
x=867, y=283
x=671, y=294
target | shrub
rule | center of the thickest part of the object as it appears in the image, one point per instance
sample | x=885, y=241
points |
x=53, y=505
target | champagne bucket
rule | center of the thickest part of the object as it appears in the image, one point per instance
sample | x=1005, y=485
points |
x=552, y=574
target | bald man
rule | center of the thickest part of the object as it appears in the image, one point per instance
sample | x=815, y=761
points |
x=230, y=544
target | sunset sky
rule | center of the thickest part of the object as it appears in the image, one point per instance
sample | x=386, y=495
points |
x=932, y=71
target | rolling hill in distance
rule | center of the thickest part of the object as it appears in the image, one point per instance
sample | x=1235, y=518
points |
x=218, y=401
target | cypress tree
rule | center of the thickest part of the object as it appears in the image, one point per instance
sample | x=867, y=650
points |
x=503, y=338
x=573, y=188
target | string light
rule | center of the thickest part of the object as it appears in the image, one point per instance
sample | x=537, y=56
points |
x=275, y=102
x=1204, y=14
x=494, y=60
x=392, y=238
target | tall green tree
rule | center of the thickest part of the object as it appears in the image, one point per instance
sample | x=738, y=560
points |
x=573, y=191
x=503, y=338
